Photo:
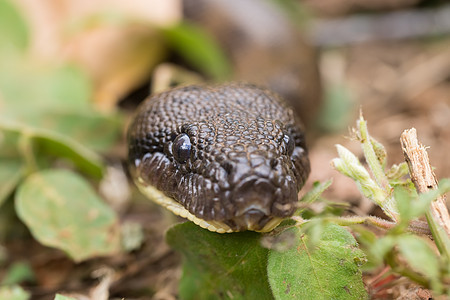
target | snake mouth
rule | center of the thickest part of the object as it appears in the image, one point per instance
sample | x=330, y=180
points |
x=254, y=199
x=252, y=219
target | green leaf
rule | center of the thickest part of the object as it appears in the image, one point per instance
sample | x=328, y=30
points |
x=404, y=202
x=11, y=171
x=349, y=165
x=51, y=143
x=380, y=152
x=330, y=271
x=54, y=89
x=56, y=105
x=14, y=292
x=316, y=191
x=381, y=247
x=13, y=29
x=367, y=238
x=95, y=131
x=396, y=172
x=220, y=266
x=62, y=211
x=62, y=297
x=314, y=229
x=69, y=89
x=420, y=257
x=410, y=206
x=199, y=49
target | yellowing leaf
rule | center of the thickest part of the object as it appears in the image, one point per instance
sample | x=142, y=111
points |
x=14, y=292
x=62, y=211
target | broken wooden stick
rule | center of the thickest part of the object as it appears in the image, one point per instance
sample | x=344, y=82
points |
x=423, y=176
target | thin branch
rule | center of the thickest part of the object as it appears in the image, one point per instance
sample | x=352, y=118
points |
x=418, y=227
x=423, y=176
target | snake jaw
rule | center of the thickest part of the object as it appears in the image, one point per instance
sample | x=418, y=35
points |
x=215, y=226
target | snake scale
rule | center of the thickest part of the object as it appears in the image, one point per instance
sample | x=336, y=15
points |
x=231, y=157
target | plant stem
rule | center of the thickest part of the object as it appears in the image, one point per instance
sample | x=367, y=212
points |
x=415, y=227
x=390, y=259
x=389, y=205
x=346, y=221
x=26, y=149
x=371, y=157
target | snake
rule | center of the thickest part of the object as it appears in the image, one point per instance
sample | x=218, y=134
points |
x=232, y=156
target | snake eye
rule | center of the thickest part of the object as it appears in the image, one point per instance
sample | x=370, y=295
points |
x=181, y=148
x=290, y=144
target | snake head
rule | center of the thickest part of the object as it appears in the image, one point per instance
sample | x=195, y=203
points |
x=229, y=157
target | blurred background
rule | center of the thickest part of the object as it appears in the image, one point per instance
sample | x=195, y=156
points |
x=73, y=72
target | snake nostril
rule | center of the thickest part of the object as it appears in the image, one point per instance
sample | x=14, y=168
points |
x=273, y=163
x=228, y=167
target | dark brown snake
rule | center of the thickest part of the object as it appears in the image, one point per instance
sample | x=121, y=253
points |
x=230, y=157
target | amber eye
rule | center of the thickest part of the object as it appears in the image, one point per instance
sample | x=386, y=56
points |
x=290, y=144
x=181, y=148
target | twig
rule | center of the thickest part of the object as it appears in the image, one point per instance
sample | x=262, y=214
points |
x=423, y=176
x=424, y=179
x=419, y=227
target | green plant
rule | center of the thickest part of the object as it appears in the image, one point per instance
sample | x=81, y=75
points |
x=402, y=247
x=316, y=257
x=48, y=121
